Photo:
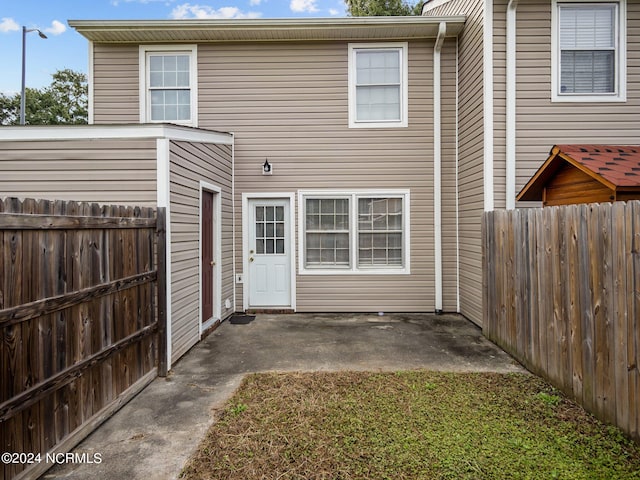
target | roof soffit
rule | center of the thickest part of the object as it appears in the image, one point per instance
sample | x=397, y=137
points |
x=308, y=29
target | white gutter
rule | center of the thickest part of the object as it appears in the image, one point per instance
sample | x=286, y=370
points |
x=511, y=126
x=437, y=162
x=488, y=105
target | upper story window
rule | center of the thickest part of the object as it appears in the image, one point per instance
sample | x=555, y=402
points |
x=589, y=51
x=378, y=85
x=168, y=90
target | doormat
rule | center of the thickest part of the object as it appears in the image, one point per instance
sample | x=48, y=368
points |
x=241, y=319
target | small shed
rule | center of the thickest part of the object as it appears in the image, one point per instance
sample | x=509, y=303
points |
x=586, y=174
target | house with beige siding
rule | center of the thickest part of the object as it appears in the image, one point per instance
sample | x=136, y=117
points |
x=359, y=153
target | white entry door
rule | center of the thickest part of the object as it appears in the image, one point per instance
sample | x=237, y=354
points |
x=269, y=253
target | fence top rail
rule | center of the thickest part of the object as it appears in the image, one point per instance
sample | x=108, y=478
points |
x=22, y=221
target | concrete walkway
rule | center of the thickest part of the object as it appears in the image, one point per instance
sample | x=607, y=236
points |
x=153, y=435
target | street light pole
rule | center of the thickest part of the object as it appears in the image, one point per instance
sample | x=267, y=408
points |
x=25, y=30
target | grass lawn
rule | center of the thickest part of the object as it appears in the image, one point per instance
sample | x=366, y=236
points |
x=408, y=425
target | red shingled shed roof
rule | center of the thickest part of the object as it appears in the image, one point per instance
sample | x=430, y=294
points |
x=616, y=166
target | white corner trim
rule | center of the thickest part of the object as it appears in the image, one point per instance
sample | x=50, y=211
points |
x=437, y=163
x=246, y=196
x=163, y=200
x=511, y=99
x=217, y=255
x=488, y=105
x=403, y=48
x=90, y=91
x=192, y=50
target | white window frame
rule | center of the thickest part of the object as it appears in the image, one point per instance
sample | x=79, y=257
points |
x=144, y=91
x=403, y=48
x=620, y=57
x=353, y=268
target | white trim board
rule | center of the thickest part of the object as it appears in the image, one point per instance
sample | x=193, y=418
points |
x=163, y=200
x=108, y=132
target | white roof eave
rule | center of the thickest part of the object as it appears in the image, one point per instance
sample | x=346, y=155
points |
x=308, y=29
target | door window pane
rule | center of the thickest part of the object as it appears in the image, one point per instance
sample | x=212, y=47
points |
x=269, y=232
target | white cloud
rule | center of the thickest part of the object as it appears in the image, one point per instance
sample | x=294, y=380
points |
x=255, y=2
x=333, y=11
x=303, y=6
x=8, y=25
x=186, y=10
x=56, y=28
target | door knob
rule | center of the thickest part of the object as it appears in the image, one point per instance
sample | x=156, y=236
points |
x=251, y=259
x=213, y=262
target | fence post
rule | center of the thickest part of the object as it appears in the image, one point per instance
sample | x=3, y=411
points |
x=162, y=290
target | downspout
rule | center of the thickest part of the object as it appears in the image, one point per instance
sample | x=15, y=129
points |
x=510, y=114
x=437, y=162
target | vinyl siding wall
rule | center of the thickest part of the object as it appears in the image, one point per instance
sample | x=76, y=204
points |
x=115, y=78
x=470, y=151
x=542, y=123
x=121, y=172
x=288, y=103
x=189, y=164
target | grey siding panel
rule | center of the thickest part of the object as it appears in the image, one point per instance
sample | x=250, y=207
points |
x=115, y=91
x=288, y=103
x=103, y=171
x=542, y=123
x=470, y=152
x=189, y=164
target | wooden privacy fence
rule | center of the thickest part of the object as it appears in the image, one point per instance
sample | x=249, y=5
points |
x=79, y=285
x=562, y=295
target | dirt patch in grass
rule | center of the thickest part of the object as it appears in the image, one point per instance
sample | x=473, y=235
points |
x=408, y=425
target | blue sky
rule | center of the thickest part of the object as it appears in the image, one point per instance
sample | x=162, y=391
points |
x=65, y=48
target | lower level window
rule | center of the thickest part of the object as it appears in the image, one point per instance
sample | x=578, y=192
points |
x=355, y=232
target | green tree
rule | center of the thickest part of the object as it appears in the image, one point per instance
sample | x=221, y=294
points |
x=373, y=8
x=65, y=101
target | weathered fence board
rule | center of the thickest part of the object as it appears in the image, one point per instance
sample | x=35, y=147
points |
x=562, y=295
x=78, y=320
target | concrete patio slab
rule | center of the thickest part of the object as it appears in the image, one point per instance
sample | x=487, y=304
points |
x=154, y=434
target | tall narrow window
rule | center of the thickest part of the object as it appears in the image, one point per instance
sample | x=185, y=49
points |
x=589, y=43
x=327, y=232
x=379, y=232
x=168, y=90
x=377, y=85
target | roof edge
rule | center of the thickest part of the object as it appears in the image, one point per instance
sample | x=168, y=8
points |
x=282, y=29
x=263, y=23
x=105, y=132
